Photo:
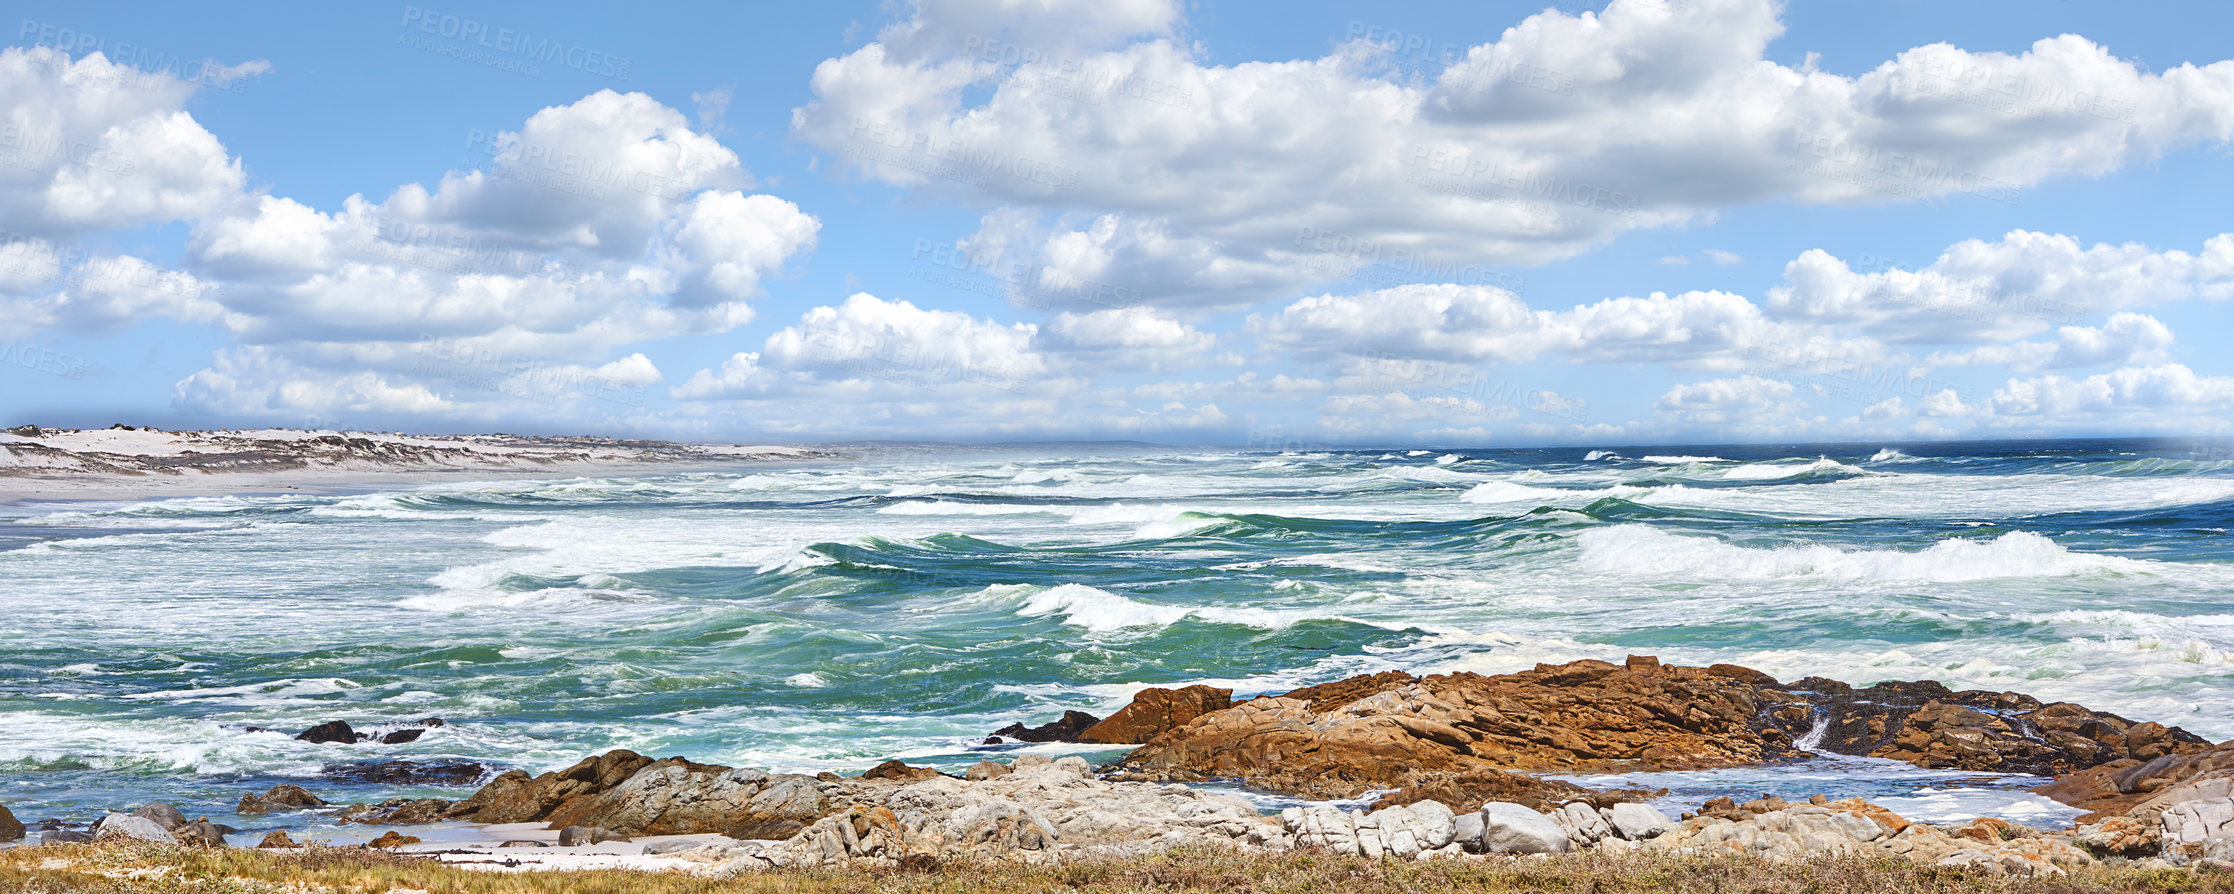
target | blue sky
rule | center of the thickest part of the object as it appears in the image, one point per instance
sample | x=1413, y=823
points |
x=1650, y=221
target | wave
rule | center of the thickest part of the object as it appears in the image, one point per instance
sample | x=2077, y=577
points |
x=1892, y=455
x=1101, y=611
x=1680, y=460
x=1774, y=471
x=1639, y=550
x=1596, y=455
x=950, y=507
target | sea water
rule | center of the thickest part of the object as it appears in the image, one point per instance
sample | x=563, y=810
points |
x=830, y=616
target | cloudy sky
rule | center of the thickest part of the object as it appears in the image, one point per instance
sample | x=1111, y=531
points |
x=1480, y=223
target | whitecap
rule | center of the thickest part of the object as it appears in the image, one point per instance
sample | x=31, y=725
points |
x=1639, y=550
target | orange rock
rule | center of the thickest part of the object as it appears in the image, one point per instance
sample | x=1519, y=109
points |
x=1154, y=711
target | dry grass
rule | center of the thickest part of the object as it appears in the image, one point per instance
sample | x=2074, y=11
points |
x=138, y=870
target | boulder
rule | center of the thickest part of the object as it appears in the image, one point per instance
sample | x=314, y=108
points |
x=10, y=828
x=1067, y=729
x=396, y=812
x=900, y=771
x=983, y=770
x=200, y=833
x=1153, y=711
x=2201, y=829
x=331, y=732
x=574, y=836
x=1582, y=823
x=1513, y=829
x=1466, y=830
x=65, y=836
x=2122, y=836
x=163, y=815
x=119, y=826
x=279, y=798
x=276, y=839
x=1637, y=822
x=392, y=839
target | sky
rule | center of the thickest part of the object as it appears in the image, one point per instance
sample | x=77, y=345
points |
x=1247, y=223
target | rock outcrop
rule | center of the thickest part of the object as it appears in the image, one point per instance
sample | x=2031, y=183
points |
x=2201, y=829
x=1391, y=730
x=10, y=828
x=341, y=733
x=1040, y=810
x=435, y=771
x=2146, y=787
x=1064, y=729
x=1154, y=711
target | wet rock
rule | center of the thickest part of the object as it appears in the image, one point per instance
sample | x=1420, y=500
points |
x=516, y=797
x=1514, y=829
x=330, y=732
x=574, y=836
x=900, y=771
x=65, y=836
x=1153, y=711
x=983, y=770
x=119, y=826
x=163, y=815
x=393, y=839
x=10, y=828
x=279, y=798
x=1929, y=725
x=1067, y=729
x=438, y=771
x=276, y=839
x=201, y=833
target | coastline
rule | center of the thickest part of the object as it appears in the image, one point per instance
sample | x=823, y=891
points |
x=124, y=464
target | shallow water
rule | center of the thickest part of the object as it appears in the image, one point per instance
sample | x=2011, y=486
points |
x=832, y=616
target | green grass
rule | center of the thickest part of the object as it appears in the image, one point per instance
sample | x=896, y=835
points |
x=141, y=869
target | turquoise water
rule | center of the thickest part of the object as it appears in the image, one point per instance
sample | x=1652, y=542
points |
x=832, y=616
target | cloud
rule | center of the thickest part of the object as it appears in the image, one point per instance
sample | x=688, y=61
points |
x=89, y=145
x=2127, y=338
x=1115, y=141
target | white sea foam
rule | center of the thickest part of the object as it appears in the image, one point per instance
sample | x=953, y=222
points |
x=1641, y=550
x=1892, y=455
x=1773, y=471
x=1101, y=611
x=949, y=507
x=1596, y=455
x=1681, y=460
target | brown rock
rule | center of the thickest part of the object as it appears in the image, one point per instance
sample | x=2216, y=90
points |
x=276, y=838
x=2130, y=784
x=200, y=833
x=1927, y=724
x=983, y=770
x=10, y=828
x=1328, y=696
x=514, y=797
x=393, y=839
x=280, y=797
x=1390, y=731
x=397, y=812
x=1153, y=711
x=901, y=771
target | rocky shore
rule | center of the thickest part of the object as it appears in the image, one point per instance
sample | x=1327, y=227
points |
x=1460, y=752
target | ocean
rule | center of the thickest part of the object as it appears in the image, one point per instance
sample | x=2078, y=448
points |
x=830, y=616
